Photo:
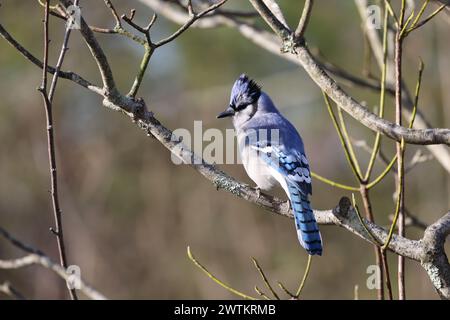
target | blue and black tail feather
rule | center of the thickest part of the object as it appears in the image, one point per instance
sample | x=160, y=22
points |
x=305, y=222
x=295, y=169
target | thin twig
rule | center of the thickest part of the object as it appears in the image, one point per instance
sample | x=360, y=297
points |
x=149, y=48
x=375, y=241
x=400, y=214
x=348, y=142
x=263, y=276
x=341, y=138
x=431, y=16
x=397, y=206
x=262, y=294
x=9, y=290
x=51, y=148
x=62, y=54
x=277, y=26
x=304, y=19
x=62, y=74
x=210, y=275
x=333, y=183
x=189, y=22
x=286, y=291
x=380, y=259
x=376, y=146
x=114, y=13
x=305, y=276
x=36, y=256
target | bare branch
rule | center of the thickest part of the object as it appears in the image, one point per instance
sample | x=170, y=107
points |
x=343, y=215
x=60, y=60
x=194, y=17
x=304, y=58
x=109, y=85
x=59, y=233
x=111, y=7
x=9, y=290
x=276, y=10
x=440, y=152
x=303, y=23
x=66, y=75
x=434, y=259
x=180, y=16
x=277, y=26
x=37, y=257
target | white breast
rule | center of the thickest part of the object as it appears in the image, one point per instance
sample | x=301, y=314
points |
x=257, y=169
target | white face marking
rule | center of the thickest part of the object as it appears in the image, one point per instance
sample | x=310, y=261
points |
x=244, y=115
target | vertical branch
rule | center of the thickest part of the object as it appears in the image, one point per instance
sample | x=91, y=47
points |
x=305, y=276
x=380, y=258
x=349, y=143
x=51, y=152
x=304, y=19
x=60, y=59
x=342, y=138
x=264, y=278
x=400, y=150
x=380, y=255
x=376, y=146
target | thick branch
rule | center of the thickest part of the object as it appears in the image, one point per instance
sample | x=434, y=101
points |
x=362, y=114
x=434, y=259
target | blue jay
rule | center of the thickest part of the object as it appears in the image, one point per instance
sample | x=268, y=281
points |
x=272, y=151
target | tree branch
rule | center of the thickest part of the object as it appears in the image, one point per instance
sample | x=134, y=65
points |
x=303, y=23
x=303, y=57
x=62, y=74
x=194, y=17
x=9, y=290
x=57, y=213
x=35, y=256
x=109, y=85
x=440, y=152
x=434, y=260
x=343, y=215
x=277, y=26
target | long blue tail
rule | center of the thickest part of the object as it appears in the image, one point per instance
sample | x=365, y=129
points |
x=305, y=222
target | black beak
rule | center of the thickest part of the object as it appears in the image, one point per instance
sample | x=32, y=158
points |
x=227, y=113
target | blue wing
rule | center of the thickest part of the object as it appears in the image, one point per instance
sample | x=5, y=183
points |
x=294, y=167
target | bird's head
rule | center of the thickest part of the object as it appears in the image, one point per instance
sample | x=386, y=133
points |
x=244, y=97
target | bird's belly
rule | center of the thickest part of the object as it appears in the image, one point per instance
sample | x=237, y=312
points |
x=259, y=172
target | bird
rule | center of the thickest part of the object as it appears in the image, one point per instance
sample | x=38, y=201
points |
x=272, y=152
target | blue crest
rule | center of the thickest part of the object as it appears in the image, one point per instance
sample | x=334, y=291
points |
x=245, y=92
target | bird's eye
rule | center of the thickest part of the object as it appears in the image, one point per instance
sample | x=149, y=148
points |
x=240, y=107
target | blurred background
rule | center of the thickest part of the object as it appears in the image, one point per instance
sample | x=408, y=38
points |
x=129, y=212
